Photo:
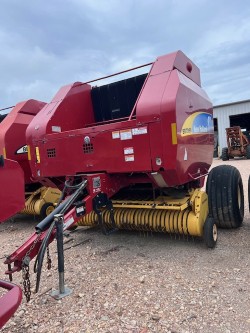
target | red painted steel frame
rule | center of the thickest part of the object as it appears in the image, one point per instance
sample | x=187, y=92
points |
x=107, y=184
x=9, y=302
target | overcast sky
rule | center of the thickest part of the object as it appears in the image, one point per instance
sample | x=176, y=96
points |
x=47, y=44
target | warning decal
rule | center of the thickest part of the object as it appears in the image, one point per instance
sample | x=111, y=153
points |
x=129, y=150
x=140, y=130
x=22, y=150
x=126, y=134
x=116, y=135
x=129, y=158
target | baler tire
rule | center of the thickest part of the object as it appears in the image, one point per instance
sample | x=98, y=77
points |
x=248, y=152
x=224, y=154
x=225, y=196
x=210, y=233
x=46, y=209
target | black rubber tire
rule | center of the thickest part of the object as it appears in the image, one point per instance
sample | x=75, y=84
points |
x=248, y=152
x=45, y=208
x=210, y=233
x=224, y=154
x=225, y=196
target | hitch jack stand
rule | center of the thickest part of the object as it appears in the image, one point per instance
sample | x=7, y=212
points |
x=63, y=290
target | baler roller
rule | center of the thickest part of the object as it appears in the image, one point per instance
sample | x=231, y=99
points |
x=184, y=216
x=155, y=220
x=30, y=208
x=41, y=202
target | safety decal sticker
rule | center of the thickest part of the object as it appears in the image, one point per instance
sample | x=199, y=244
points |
x=79, y=209
x=126, y=134
x=128, y=150
x=129, y=158
x=139, y=130
x=68, y=222
x=116, y=135
x=56, y=129
x=96, y=182
x=22, y=150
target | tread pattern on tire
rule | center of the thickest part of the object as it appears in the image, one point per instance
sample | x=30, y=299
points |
x=222, y=187
x=208, y=232
x=44, y=208
x=248, y=152
x=224, y=154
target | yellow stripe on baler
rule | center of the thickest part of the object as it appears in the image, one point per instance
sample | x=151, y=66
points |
x=4, y=152
x=37, y=155
x=29, y=154
x=174, y=133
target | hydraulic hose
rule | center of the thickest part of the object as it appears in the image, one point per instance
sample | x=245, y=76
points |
x=40, y=256
x=49, y=222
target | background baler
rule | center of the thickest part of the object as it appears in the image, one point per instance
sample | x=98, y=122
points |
x=132, y=154
x=20, y=192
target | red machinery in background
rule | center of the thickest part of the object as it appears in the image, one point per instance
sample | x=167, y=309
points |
x=13, y=134
x=17, y=183
x=132, y=154
x=14, y=167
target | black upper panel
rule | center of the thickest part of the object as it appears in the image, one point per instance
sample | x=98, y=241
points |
x=2, y=116
x=116, y=100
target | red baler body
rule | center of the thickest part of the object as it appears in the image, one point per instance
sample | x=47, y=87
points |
x=168, y=138
x=164, y=137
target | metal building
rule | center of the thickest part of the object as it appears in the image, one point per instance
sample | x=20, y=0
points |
x=228, y=115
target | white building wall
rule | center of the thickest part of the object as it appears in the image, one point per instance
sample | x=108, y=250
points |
x=222, y=113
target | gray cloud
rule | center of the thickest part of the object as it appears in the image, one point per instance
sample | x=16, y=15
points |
x=45, y=45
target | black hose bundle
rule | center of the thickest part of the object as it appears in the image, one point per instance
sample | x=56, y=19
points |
x=49, y=222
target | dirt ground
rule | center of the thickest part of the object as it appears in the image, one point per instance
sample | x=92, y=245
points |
x=139, y=283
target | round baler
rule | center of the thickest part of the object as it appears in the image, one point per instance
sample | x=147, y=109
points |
x=132, y=154
x=149, y=135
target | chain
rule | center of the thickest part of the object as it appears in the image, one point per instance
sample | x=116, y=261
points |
x=49, y=261
x=26, y=269
x=26, y=281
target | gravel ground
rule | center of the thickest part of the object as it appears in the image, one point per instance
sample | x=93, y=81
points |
x=139, y=283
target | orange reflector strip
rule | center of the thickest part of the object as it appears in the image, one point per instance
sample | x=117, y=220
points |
x=28, y=151
x=37, y=155
x=174, y=133
x=4, y=152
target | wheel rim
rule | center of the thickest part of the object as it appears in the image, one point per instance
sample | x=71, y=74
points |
x=215, y=233
x=239, y=196
x=49, y=210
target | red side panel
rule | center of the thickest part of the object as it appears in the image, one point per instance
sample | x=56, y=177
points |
x=71, y=108
x=9, y=302
x=177, y=60
x=13, y=133
x=180, y=117
x=12, y=196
